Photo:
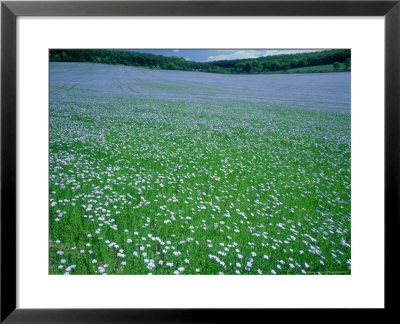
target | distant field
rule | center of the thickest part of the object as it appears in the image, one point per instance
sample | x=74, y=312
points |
x=328, y=68
x=315, y=69
x=167, y=172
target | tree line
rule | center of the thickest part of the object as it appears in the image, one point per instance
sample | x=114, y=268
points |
x=266, y=64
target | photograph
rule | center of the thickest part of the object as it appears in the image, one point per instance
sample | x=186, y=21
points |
x=199, y=161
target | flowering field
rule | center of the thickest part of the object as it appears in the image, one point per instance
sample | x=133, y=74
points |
x=168, y=172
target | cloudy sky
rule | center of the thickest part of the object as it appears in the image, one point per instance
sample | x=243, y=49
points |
x=216, y=55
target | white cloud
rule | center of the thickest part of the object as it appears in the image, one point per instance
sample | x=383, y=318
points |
x=244, y=54
x=235, y=55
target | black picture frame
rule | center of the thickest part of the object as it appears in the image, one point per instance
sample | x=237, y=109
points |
x=9, y=13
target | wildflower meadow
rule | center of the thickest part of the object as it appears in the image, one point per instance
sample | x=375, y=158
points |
x=189, y=173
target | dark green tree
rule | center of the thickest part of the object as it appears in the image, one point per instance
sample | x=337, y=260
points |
x=336, y=66
x=347, y=63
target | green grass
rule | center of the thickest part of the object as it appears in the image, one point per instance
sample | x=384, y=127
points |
x=226, y=179
x=317, y=69
x=310, y=69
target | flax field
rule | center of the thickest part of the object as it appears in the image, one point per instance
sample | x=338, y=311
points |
x=188, y=173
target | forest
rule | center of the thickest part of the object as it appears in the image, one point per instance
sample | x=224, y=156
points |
x=339, y=59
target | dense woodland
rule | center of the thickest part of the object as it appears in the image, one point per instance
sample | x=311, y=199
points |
x=339, y=59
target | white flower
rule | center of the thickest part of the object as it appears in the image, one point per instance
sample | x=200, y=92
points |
x=94, y=261
x=273, y=271
x=60, y=252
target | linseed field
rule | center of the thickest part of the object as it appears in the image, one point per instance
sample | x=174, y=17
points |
x=170, y=172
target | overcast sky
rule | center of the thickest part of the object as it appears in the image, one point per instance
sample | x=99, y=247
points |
x=216, y=55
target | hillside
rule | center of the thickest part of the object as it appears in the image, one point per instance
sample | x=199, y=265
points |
x=339, y=60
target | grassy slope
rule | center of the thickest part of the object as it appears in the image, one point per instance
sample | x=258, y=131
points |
x=316, y=69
